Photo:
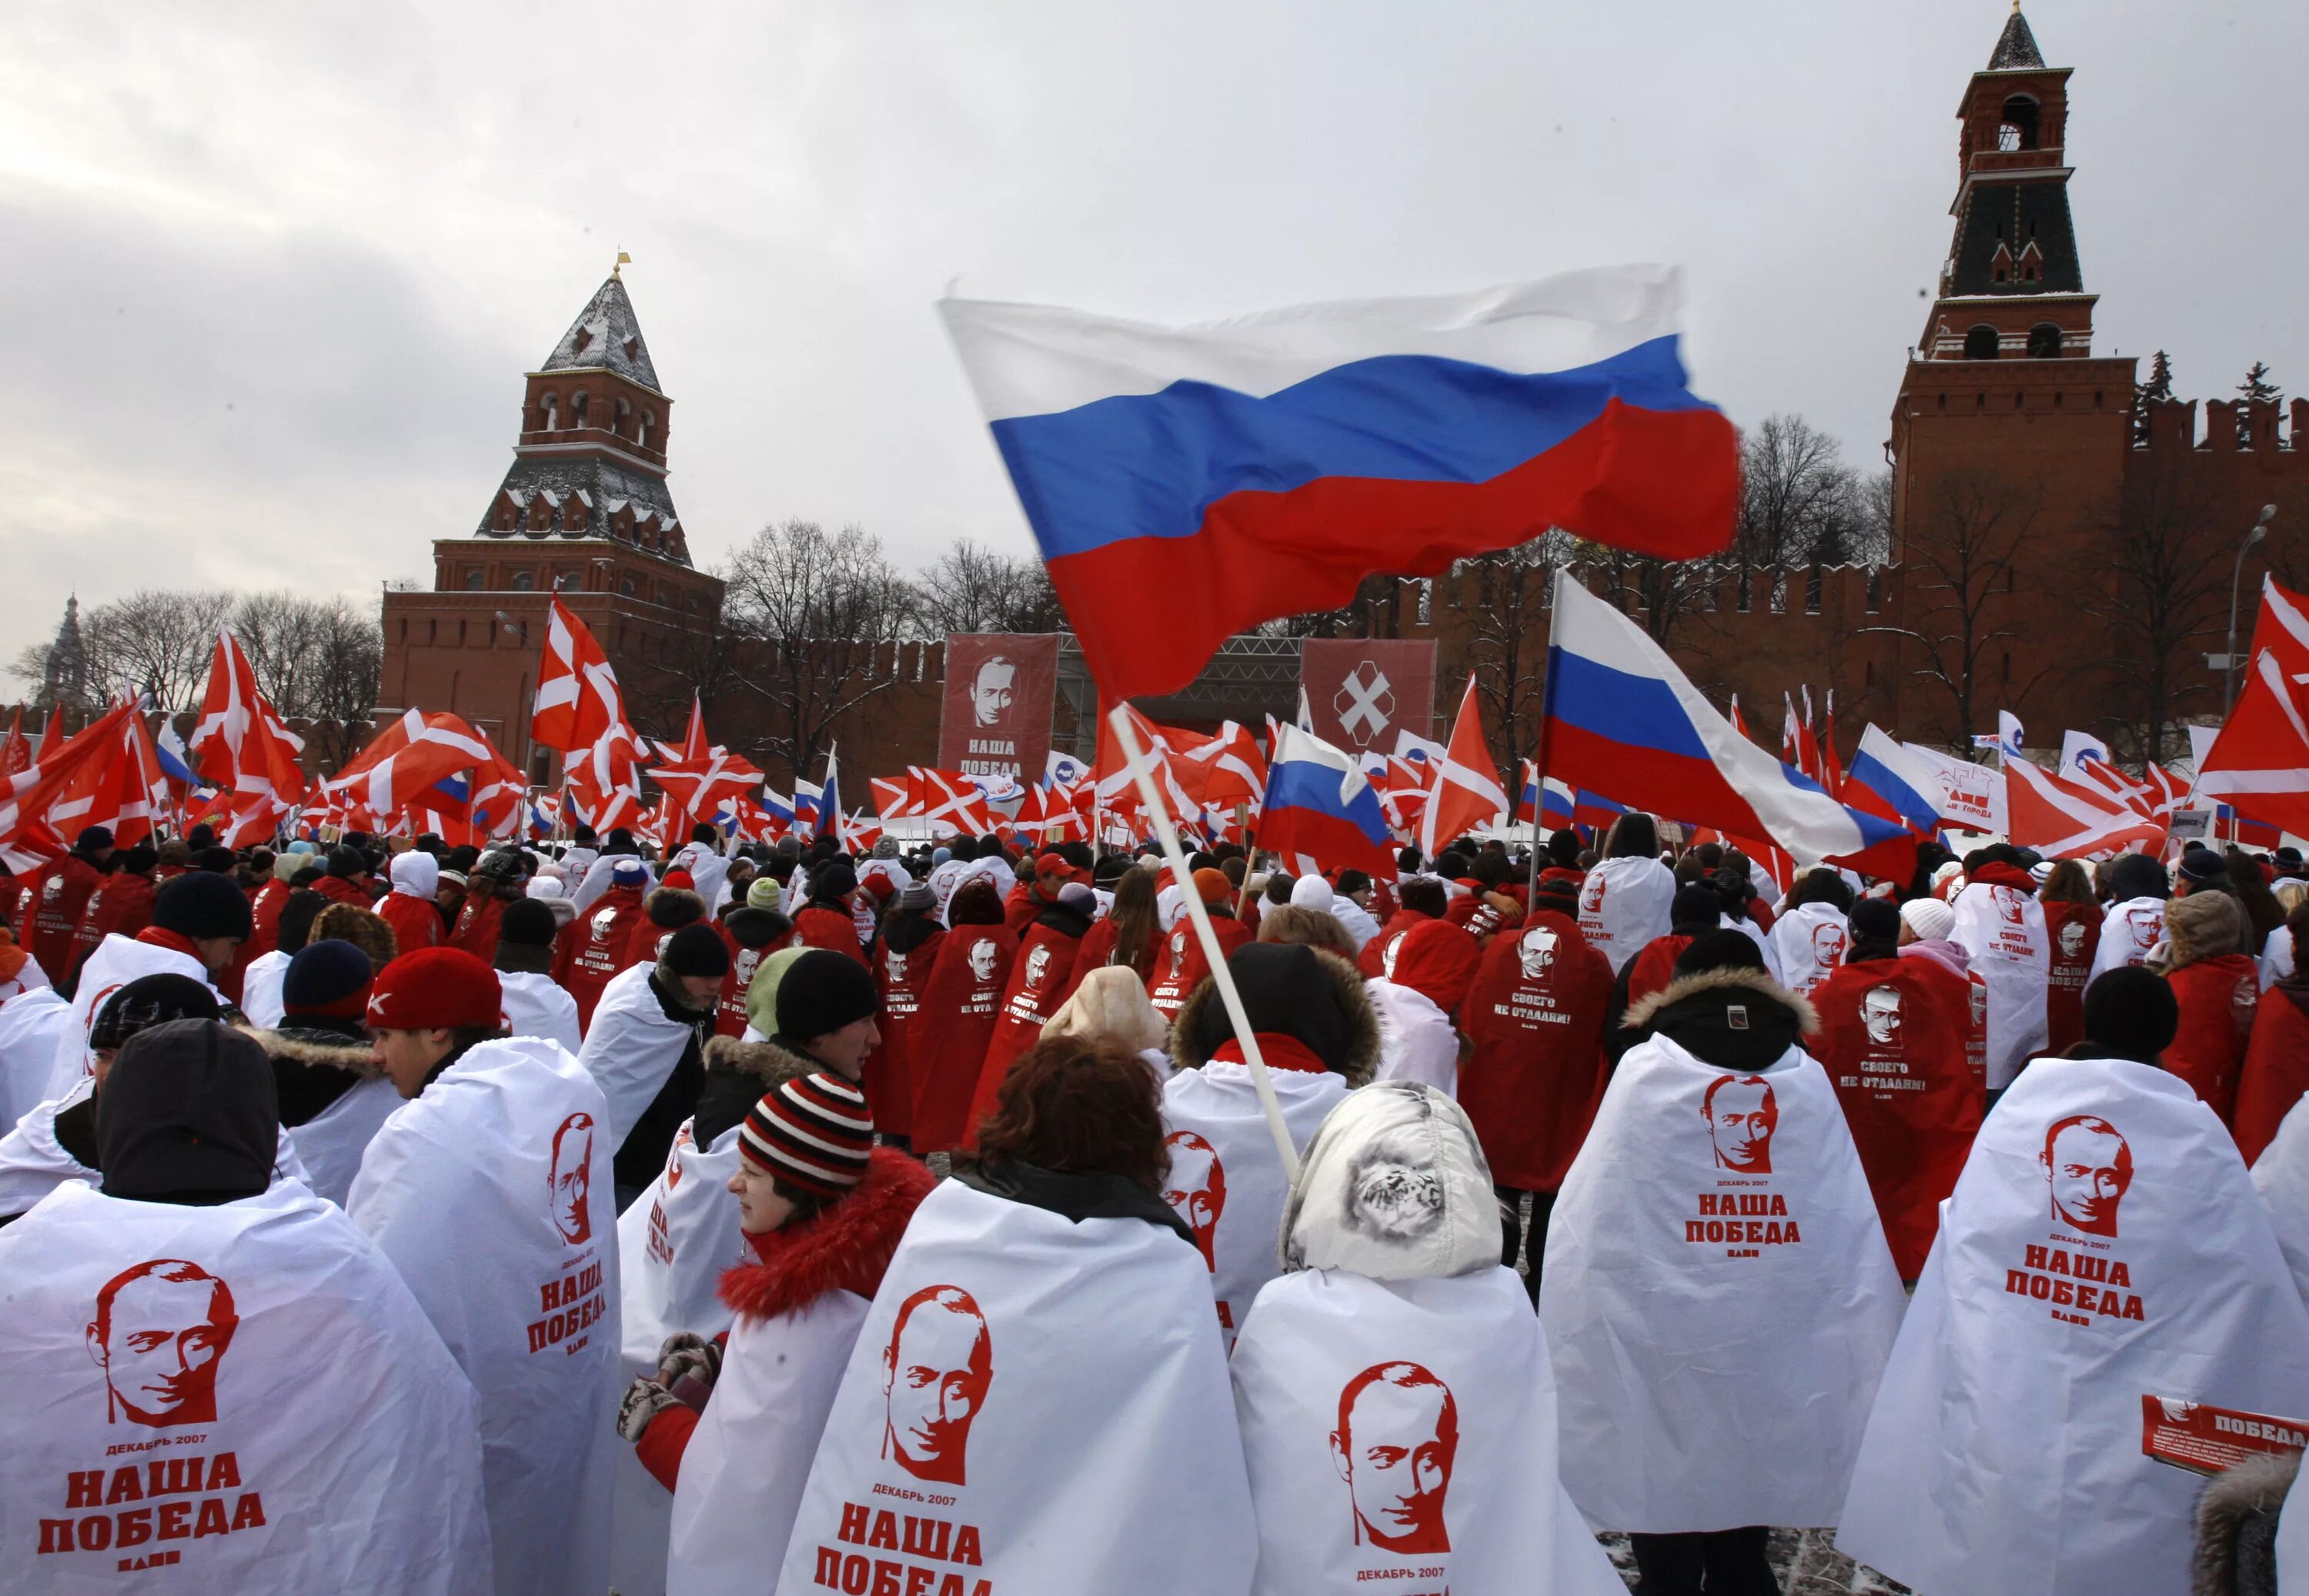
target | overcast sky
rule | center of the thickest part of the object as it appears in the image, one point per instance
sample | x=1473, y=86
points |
x=270, y=275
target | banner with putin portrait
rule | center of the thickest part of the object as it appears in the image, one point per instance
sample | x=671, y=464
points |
x=1715, y=1269
x=1034, y=1403
x=239, y=1397
x=1401, y=1436
x=995, y=718
x=2105, y=1240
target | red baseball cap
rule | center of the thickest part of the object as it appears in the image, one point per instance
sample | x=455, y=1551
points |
x=435, y=988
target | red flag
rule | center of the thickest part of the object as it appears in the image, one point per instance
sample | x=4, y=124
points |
x=410, y=754
x=1831, y=769
x=1118, y=788
x=1465, y=792
x=16, y=753
x=1223, y=770
x=241, y=742
x=2067, y=819
x=120, y=788
x=2258, y=766
x=26, y=796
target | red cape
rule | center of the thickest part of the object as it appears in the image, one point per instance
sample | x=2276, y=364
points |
x=889, y=1083
x=953, y=1020
x=1372, y=960
x=2275, y=1072
x=1536, y=1071
x=416, y=923
x=1042, y=976
x=2072, y=962
x=1180, y=965
x=817, y=927
x=476, y=931
x=591, y=948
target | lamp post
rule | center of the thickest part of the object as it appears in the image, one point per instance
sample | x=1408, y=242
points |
x=2236, y=572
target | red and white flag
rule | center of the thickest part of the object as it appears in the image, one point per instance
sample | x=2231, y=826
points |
x=1466, y=790
x=2258, y=766
x=2064, y=818
x=16, y=752
x=241, y=742
x=949, y=801
x=408, y=756
x=1223, y=770
x=121, y=788
x=1117, y=788
x=581, y=713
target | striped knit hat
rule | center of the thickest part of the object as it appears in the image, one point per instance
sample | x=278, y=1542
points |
x=813, y=1132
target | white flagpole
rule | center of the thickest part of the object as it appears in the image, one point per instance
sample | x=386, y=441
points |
x=1143, y=773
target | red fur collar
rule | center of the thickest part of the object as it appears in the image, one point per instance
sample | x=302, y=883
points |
x=845, y=1249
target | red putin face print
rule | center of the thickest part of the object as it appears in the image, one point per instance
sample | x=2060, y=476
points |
x=572, y=1179
x=2088, y=1165
x=935, y=1372
x=1196, y=1188
x=160, y=1330
x=1741, y=1115
x=1397, y=1438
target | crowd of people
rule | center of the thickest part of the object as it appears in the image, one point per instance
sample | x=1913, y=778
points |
x=385, y=1216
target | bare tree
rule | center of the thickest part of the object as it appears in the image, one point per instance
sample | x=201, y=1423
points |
x=2166, y=576
x=338, y=682
x=1662, y=594
x=1960, y=562
x=812, y=606
x=1797, y=496
x=971, y=588
x=156, y=641
x=1505, y=597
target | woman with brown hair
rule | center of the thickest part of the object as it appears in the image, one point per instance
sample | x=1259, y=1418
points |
x=1131, y=929
x=1041, y=1368
x=2072, y=918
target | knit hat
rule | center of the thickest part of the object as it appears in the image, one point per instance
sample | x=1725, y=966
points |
x=1873, y=919
x=1112, y=1002
x=347, y=862
x=879, y=887
x=823, y=991
x=1723, y=949
x=696, y=949
x=814, y=1132
x=189, y=1112
x=2137, y=876
x=762, y=991
x=629, y=873
x=765, y=893
x=2202, y=865
x=201, y=905
x=680, y=877
x=148, y=1001
x=917, y=899
x=1930, y=919
x=1077, y=896
x=529, y=922
x=436, y=987
x=836, y=879
x=330, y=978
x=2131, y=1013
x=938, y=855
x=1212, y=886
x=1695, y=905
x=886, y=847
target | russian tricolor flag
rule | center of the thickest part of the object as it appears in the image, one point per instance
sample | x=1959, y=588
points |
x=1321, y=810
x=1619, y=712
x=1893, y=784
x=1188, y=483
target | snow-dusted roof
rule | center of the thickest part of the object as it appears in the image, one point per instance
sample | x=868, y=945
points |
x=603, y=487
x=605, y=337
x=2016, y=48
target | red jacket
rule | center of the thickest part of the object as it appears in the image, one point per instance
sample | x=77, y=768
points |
x=265, y=907
x=2074, y=931
x=416, y=922
x=1536, y=1073
x=889, y=1078
x=1042, y=976
x=339, y=889
x=2217, y=998
x=954, y=1020
x=56, y=898
x=476, y=931
x=121, y=907
x=1180, y=965
x=592, y=947
x=1892, y=1039
x=816, y=925
x=2276, y=1069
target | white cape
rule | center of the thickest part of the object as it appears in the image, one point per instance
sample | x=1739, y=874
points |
x=303, y=1429
x=535, y=1006
x=1623, y=904
x=1718, y=1314
x=111, y=965
x=673, y=1243
x=2003, y=929
x=1808, y=946
x=1416, y=1041
x=2281, y=1175
x=1059, y=1420
x=491, y=1194
x=2128, y=930
x=1230, y=1190
x=32, y=1026
x=331, y=1144
x=2004, y=1452
x=749, y=1457
x=260, y=989
x=1462, y=1355
x=631, y=1047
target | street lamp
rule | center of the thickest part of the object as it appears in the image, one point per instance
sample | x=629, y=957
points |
x=2236, y=572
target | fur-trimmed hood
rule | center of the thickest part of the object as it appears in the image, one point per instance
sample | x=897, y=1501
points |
x=2236, y=1527
x=2204, y=925
x=303, y=1045
x=845, y=1249
x=1739, y=1018
x=769, y=1062
x=1362, y=1049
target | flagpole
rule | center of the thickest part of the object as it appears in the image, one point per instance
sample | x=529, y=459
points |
x=1142, y=774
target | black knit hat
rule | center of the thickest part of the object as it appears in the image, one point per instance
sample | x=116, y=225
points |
x=347, y=861
x=1695, y=905
x=189, y=1114
x=696, y=949
x=148, y=1001
x=833, y=879
x=2131, y=1013
x=1285, y=988
x=528, y=922
x=2202, y=865
x=203, y=904
x=815, y=1132
x=822, y=992
x=1725, y=949
x=2137, y=876
x=1875, y=920
x=331, y=979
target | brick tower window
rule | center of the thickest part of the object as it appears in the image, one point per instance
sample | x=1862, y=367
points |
x=1980, y=344
x=2018, y=127
x=2044, y=341
x=523, y=581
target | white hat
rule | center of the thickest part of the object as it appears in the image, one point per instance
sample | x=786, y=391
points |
x=1930, y=919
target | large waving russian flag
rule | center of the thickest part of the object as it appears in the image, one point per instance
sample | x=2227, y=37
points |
x=1188, y=483
x=1320, y=812
x=1892, y=783
x=1621, y=716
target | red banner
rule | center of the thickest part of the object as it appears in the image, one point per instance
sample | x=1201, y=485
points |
x=2207, y=1440
x=1363, y=691
x=995, y=719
